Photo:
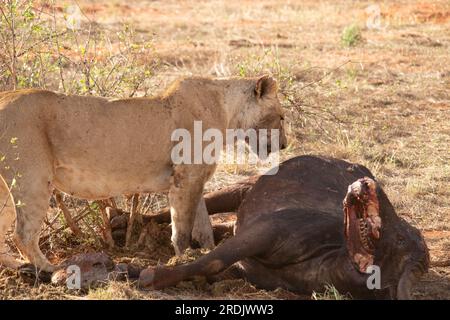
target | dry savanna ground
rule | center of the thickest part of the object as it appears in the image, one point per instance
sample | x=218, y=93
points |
x=379, y=96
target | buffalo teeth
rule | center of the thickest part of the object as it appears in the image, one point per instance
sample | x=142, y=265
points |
x=363, y=228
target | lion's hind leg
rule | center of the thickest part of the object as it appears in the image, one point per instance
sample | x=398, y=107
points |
x=7, y=216
x=29, y=218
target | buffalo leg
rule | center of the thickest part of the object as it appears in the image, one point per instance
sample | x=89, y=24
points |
x=229, y=199
x=221, y=230
x=225, y=200
x=247, y=244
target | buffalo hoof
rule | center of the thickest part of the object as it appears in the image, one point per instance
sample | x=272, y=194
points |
x=146, y=278
x=31, y=275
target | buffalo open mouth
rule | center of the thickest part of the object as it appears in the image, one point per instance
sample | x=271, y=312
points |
x=362, y=222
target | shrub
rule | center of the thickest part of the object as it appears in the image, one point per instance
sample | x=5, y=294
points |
x=351, y=35
x=41, y=47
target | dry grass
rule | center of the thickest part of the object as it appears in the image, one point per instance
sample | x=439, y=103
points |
x=387, y=106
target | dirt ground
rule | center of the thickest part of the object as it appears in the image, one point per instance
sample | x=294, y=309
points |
x=383, y=102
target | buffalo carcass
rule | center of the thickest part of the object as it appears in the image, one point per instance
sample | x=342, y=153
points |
x=317, y=221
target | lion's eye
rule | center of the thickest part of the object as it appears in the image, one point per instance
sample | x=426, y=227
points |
x=281, y=118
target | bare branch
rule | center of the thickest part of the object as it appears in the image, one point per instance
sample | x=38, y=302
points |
x=72, y=224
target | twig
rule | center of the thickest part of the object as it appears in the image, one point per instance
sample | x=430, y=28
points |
x=133, y=215
x=51, y=222
x=82, y=214
x=326, y=75
x=444, y=263
x=146, y=204
x=107, y=233
x=72, y=224
x=113, y=203
x=143, y=235
x=61, y=74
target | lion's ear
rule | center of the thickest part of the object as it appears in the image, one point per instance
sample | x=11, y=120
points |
x=266, y=86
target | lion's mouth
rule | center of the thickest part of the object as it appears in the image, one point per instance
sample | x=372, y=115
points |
x=362, y=222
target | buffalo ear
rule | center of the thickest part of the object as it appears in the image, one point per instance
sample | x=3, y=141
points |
x=266, y=86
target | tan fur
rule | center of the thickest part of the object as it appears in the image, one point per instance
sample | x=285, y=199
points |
x=95, y=148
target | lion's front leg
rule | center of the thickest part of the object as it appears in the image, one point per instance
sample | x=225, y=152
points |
x=185, y=195
x=202, y=232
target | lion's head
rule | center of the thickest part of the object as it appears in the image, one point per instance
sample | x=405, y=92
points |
x=265, y=114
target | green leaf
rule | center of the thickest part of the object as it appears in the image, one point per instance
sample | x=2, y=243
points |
x=28, y=14
x=20, y=204
x=36, y=28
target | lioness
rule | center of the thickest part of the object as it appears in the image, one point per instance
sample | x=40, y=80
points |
x=94, y=148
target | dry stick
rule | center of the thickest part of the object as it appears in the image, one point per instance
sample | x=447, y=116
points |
x=60, y=68
x=93, y=232
x=146, y=203
x=83, y=213
x=107, y=233
x=133, y=214
x=113, y=203
x=146, y=206
x=293, y=103
x=72, y=224
x=326, y=75
x=31, y=47
x=27, y=36
x=158, y=218
x=128, y=201
x=142, y=236
x=13, y=53
x=444, y=263
x=49, y=223
x=7, y=198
